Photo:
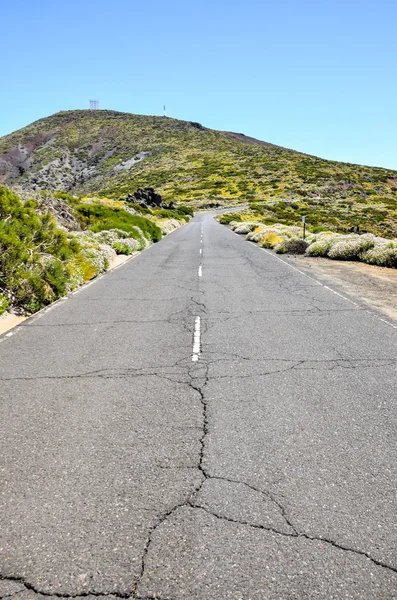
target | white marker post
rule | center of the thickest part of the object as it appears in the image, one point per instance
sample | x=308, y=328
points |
x=304, y=225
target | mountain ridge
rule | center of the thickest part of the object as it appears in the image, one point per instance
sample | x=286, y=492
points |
x=110, y=154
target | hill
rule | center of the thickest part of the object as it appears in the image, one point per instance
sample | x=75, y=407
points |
x=111, y=154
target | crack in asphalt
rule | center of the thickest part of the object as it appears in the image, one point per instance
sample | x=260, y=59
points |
x=127, y=374
x=31, y=588
x=285, y=282
x=315, y=365
x=192, y=503
x=297, y=534
x=94, y=323
x=264, y=493
x=200, y=466
x=299, y=312
x=178, y=377
x=197, y=378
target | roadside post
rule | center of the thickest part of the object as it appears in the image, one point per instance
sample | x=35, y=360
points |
x=304, y=225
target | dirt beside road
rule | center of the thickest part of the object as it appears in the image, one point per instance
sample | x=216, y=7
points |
x=376, y=286
x=8, y=321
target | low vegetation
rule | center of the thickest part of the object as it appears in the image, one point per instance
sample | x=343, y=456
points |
x=338, y=216
x=284, y=239
x=111, y=154
x=41, y=261
x=35, y=255
x=97, y=217
x=76, y=173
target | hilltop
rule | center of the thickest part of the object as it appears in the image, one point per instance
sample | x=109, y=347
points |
x=110, y=154
x=89, y=151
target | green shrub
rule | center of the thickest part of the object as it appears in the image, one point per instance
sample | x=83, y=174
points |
x=98, y=218
x=166, y=213
x=40, y=262
x=185, y=210
x=144, y=210
x=32, y=251
x=4, y=303
x=227, y=218
x=66, y=196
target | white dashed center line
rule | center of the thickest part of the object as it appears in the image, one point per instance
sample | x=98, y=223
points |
x=196, y=340
x=197, y=322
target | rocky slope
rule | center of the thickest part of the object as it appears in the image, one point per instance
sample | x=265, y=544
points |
x=112, y=152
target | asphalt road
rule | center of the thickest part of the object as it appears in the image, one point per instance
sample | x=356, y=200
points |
x=203, y=423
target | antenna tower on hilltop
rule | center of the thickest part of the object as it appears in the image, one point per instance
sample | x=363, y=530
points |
x=165, y=112
x=94, y=104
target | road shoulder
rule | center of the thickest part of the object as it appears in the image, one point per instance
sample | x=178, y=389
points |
x=376, y=286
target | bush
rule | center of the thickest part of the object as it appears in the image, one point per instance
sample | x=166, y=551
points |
x=4, y=303
x=322, y=245
x=185, y=210
x=40, y=262
x=270, y=239
x=351, y=247
x=227, y=218
x=125, y=246
x=97, y=260
x=93, y=256
x=32, y=251
x=283, y=239
x=76, y=271
x=382, y=254
x=66, y=196
x=144, y=210
x=292, y=246
x=169, y=225
x=166, y=213
x=119, y=240
x=98, y=218
x=244, y=228
x=256, y=234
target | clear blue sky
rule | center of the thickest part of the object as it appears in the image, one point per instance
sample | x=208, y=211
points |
x=314, y=75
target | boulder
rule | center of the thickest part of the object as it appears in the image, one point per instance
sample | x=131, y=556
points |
x=145, y=197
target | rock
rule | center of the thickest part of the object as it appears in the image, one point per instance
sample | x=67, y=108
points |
x=145, y=197
x=169, y=206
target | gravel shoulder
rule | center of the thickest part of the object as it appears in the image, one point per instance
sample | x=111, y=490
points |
x=376, y=286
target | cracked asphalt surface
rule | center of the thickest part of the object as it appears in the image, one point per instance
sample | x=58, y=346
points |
x=265, y=470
